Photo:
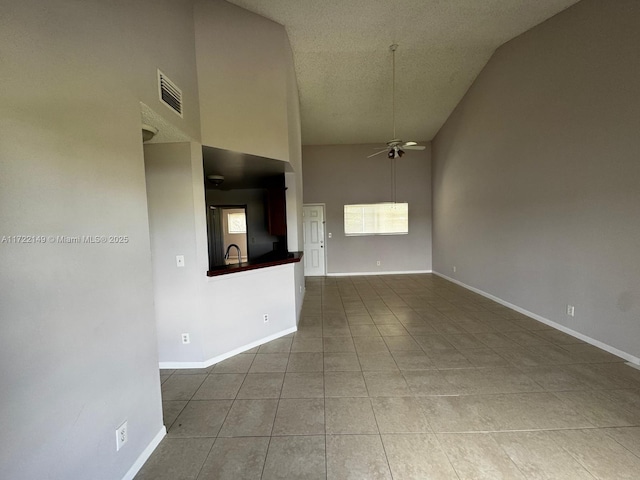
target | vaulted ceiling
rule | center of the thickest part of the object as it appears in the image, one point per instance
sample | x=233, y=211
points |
x=344, y=65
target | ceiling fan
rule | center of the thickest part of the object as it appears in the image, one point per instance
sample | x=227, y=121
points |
x=396, y=147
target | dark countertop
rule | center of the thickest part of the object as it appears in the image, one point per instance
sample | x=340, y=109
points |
x=269, y=260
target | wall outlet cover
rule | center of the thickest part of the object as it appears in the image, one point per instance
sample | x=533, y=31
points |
x=122, y=435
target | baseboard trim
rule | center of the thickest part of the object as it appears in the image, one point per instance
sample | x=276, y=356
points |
x=367, y=274
x=144, y=456
x=224, y=356
x=596, y=343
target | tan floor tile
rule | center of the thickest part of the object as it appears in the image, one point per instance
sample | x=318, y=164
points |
x=598, y=409
x=628, y=437
x=296, y=457
x=412, y=361
x=306, y=344
x=386, y=384
x=237, y=364
x=170, y=411
x=341, y=362
x=338, y=345
x=349, y=416
x=299, y=417
x=538, y=457
x=202, y=418
x=344, y=384
x=399, y=415
x=261, y=385
x=356, y=457
x=404, y=343
x=377, y=362
x=235, y=458
x=176, y=459
x=181, y=387
x=303, y=385
x=218, y=386
x=305, y=362
x=280, y=345
x=477, y=456
x=600, y=454
x=250, y=418
x=417, y=457
x=428, y=382
x=269, y=363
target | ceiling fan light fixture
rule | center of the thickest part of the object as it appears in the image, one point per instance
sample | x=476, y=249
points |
x=395, y=146
x=216, y=180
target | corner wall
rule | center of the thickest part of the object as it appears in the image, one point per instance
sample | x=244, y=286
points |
x=338, y=175
x=536, y=174
x=78, y=352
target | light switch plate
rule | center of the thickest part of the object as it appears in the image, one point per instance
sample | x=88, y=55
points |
x=180, y=260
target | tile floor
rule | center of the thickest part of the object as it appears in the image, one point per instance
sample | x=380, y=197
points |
x=404, y=377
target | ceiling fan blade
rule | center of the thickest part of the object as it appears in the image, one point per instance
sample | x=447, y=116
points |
x=377, y=153
x=409, y=144
x=413, y=147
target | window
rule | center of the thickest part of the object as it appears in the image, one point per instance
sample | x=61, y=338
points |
x=236, y=223
x=376, y=219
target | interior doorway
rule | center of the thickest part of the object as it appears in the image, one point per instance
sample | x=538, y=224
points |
x=313, y=237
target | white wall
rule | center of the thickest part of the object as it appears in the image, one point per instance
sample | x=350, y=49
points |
x=223, y=315
x=234, y=306
x=536, y=175
x=342, y=174
x=293, y=180
x=170, y=196
x=77, y=336
x=249, y=104
x=242, y=76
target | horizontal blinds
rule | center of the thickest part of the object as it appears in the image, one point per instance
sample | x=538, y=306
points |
x=376, y=219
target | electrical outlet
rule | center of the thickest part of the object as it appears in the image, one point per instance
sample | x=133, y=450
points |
x=186, y=338
x=122, y=435
x=571, y=310
x=454, y=269
x=378, y=263
x=265, y=318
x=180, y=260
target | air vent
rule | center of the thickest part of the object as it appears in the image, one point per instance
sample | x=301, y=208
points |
x=170, y=94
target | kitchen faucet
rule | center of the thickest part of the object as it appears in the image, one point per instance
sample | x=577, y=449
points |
x=226, y=255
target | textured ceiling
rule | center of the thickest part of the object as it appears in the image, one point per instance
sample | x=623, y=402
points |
x=343, y=62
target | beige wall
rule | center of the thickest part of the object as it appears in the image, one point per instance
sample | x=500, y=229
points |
x=242, y=75
x=186, y=300
x=249, y=93
x=170, y=198
x=77, y=336
x=536, y=174
x=342, y=174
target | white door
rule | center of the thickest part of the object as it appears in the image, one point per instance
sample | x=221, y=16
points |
x=313, y=237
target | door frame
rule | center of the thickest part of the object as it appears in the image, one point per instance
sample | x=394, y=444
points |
x=324, y=231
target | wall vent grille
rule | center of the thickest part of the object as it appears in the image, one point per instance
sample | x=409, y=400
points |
x=170, y=94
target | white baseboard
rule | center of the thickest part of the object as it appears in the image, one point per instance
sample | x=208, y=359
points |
x=224, y=356
x=596, y=343
x=365, y=274
x=144, y=456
